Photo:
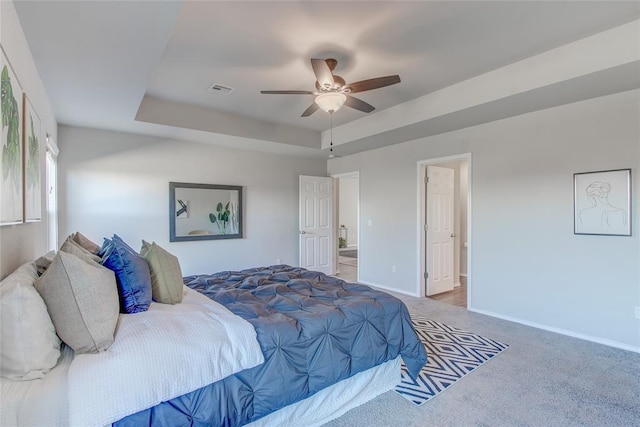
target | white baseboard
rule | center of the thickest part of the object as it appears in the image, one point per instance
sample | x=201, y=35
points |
x=561, y=331
x=386, y=288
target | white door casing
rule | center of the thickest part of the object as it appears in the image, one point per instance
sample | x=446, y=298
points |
x=316, y=223
x=440, y=229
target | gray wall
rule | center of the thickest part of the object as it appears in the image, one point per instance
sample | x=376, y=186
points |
x=464, y=201
x=348, y=208
x=113, y=182
x=24, y=242
x=527, y=264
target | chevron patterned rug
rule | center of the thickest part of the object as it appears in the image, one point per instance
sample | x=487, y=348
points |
x=452, y=354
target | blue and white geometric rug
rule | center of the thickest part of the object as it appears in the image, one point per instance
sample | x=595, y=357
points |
x=451, y=353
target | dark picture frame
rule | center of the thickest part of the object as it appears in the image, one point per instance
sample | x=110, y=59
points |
x=602, y=202
x=214, y=212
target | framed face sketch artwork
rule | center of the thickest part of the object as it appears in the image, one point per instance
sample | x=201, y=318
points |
x=602, y=202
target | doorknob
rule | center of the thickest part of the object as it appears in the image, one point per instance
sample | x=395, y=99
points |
x=453, y=234
x=303, y=232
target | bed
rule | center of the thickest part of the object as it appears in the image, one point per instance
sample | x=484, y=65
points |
x=315, y=347
x=163, y=352
x=314, y=330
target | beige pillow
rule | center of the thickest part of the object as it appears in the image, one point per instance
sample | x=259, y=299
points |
x=166, y=275
x=85, y=242
x=44, y=262
x=72, y=247
x=29, y=346
x=82, y=299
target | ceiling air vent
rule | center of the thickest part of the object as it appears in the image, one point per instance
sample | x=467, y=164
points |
x=216, y=88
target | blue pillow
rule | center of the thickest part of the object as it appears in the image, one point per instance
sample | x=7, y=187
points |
x=132, y=275
x=106, y=245
x=123, y=243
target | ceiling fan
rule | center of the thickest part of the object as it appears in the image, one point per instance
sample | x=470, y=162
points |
x=332, y=92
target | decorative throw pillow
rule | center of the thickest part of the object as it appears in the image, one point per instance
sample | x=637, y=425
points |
x=106, y=245
x=30, y=347
x=132, y=274
x=72, y=247
x=124, y=244
x=44, y=262
x=166, y=275
x=85, y=242
x=82, y=300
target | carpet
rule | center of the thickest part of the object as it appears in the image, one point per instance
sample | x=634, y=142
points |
x=452, y=354
x=351, y=253
x=353, y=262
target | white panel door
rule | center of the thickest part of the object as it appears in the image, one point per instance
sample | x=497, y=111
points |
x=440, y=229
x=316, y=224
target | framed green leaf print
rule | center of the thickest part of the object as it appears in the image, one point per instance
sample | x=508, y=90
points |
x=32, y=175
x=11, y=190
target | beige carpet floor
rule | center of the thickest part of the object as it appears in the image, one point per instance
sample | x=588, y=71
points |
x=542, y=379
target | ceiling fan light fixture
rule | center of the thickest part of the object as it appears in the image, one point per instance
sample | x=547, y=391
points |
x=331, y=101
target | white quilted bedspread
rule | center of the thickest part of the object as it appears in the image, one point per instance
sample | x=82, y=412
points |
x=157, y=355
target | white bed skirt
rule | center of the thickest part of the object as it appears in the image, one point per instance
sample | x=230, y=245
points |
x=324, y=406
x=334, y=401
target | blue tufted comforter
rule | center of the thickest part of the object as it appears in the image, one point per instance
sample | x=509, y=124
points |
x=314, y=330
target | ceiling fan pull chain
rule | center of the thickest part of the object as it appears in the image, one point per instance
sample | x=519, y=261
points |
x=331, y=142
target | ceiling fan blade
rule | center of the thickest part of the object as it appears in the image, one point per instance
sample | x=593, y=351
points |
x=286, y=92
x=309, y=111
x=358, y=104
x=323, y=72
x=376, y=83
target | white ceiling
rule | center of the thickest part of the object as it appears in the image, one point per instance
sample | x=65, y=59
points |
x=105, y=64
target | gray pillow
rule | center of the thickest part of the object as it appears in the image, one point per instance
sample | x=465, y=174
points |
x=72, y=247
x=44, y=262
x=85, y=242
x=166, y=275
x=82, y=299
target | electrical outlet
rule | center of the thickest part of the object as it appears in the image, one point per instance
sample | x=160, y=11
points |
x=278, y=261
x=637, y=312
x=394, y=269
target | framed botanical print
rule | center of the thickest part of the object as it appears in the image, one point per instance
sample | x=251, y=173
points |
x=11, y=189
x=32, y=173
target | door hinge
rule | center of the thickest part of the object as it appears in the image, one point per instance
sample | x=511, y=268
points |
x=426, y=179
x=426, y=275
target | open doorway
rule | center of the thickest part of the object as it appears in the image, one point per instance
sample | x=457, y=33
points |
x=347, y=199
x=444, y=231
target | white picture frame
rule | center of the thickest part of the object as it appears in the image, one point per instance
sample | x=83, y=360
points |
x=11, y=152
x=602, y=202
x=32, y=135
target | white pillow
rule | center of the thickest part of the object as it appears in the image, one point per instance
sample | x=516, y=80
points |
x=29, y=345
